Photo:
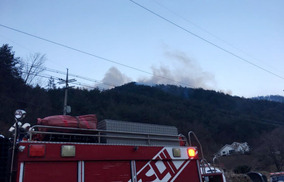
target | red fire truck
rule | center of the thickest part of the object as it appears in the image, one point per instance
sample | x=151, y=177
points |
x=115, y=151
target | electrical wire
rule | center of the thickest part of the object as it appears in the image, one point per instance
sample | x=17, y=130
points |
x=207, y=41
x=47, y=76
x=263, y=121
x=192, y=107
x=92, y=55
x=204, y=30
x=84, y=85
x=80, y=77
x=72, y=75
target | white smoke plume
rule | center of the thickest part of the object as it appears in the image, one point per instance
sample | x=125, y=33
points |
x=182, y=72
x=113, y=77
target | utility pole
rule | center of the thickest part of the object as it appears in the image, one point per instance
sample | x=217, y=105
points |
x=66, y=108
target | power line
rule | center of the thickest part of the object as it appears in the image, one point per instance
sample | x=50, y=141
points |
x=211, y=34
x=47, y=76
x=203, y=29
x=37, y=75
x=72, y=75
x=77, y=76
x=93, y=55
x=207, y=41
x=193, y=107
x=234, y=115
x=84, y=85
x=80, y=77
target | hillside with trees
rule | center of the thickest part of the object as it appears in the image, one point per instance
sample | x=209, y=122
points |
x=215, y=117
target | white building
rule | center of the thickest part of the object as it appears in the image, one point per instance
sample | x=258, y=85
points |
x=234, y=148
x=241, y=148
x=226, y=150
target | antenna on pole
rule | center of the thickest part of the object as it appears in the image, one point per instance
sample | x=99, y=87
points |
x=66, y=108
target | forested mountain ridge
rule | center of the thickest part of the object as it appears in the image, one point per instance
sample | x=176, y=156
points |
x=215, y=117
x=275, y=98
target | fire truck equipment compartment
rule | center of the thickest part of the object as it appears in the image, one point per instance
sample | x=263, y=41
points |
x=164, y=135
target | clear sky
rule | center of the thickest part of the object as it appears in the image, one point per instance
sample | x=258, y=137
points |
x=137, y=45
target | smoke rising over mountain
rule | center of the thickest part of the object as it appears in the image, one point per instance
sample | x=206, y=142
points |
x=183, y=71
x=113, y=78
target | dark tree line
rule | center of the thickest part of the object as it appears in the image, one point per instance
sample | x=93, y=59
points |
x=216, y=118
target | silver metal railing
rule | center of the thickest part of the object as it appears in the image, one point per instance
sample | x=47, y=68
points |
x=102, y=135
x=203, y=162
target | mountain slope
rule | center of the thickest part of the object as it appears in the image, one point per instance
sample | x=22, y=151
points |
x=274, y=98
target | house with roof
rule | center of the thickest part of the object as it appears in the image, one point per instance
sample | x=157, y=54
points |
x=234, y=148
x=241, y=148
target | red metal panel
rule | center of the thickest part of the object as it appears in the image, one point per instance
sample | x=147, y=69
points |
x=101, y=171
x=108, y=163
x=85, y=152
x=50, y=171
x=167, y=170
x=162, y=168
x=190, y=173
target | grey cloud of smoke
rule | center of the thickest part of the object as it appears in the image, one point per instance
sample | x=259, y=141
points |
x=112, y=78
x=182, y=71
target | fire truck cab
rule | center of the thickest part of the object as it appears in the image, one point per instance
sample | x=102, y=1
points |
x=277, y=177
x=116, y=151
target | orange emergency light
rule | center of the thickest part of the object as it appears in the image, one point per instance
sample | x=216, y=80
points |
x=191, y=152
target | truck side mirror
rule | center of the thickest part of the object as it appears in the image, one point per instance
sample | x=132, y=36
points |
x=20, y=114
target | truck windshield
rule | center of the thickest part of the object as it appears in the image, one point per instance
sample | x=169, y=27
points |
x=277, y=178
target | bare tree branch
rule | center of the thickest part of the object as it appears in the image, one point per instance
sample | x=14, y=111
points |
x=33, y=66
